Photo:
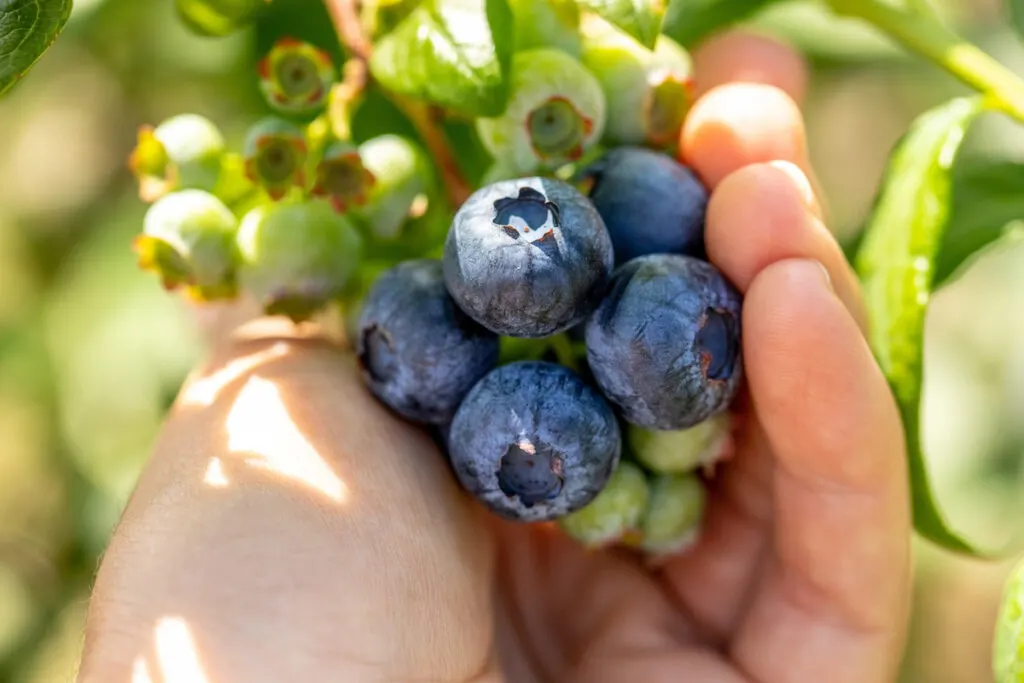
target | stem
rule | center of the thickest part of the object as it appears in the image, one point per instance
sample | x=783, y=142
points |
x=926, y=36
x=351, y=32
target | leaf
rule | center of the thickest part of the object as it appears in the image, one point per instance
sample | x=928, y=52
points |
x=896, y=263
x=690, y=21
x=1017, y=15
x=988, y=203
x=27, y=29
x=455, y=53
x=1008, y=648
x=641, y=19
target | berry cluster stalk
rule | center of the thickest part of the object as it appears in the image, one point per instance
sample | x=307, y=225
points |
x=352, y=35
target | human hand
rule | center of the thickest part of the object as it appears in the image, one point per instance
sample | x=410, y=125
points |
x=288, y=528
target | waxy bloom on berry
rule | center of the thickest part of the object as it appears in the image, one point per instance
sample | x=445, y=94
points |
x=342, y=178
x=188, y=240
x=184, y=152
x=275, y=155
x=295, y=77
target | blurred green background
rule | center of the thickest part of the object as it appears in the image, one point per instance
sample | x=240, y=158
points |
x=92, y=351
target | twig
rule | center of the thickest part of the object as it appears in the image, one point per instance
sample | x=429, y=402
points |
x=347, y=23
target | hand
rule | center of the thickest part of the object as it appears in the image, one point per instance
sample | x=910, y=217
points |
x=289, y=529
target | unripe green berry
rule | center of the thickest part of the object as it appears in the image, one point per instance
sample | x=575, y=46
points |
x=674, y=515
x=275, y=155
x=218, y=17
x=649, y=92
x=682, y=451
x=182, y=153
x=188, y=240
x=296, y=256
x=342, y=178
x=555, y=113
x=546, y=23
x=402, y=189
x=296, y=77
x=615, y=512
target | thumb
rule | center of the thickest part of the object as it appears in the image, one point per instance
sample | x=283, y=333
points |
x=289, y=528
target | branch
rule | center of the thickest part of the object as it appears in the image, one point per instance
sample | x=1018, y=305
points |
x=349, y=27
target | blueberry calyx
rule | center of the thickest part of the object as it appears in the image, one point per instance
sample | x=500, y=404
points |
x=665, y=109
x=531, y=471
x=718, y=342
x=557, y=129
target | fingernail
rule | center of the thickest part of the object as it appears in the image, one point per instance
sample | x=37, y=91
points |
x=826, y=276
x=800, y=181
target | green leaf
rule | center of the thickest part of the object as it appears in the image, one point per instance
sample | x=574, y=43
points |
x=27, y=29
x=455, y=53
x=1008, y=648
x=896, y=263
x=1017, y=14
x=690, y=21
x=641, y=19
x=988, y=207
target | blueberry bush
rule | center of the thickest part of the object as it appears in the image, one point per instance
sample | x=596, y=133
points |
x=491, y=194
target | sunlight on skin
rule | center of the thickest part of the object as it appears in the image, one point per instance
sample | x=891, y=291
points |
x=215, y=476
x=140, y=671
x=259, y=425
x=176, y=652
x=203, y=392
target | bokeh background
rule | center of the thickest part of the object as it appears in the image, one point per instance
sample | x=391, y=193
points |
x=92, y=352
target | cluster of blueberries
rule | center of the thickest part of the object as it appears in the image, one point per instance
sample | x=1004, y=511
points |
x=611, y=261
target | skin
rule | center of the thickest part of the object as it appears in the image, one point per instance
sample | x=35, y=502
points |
x=340, y=549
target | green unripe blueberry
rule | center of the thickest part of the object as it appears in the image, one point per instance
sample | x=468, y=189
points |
x=218, y=17
x=556, y=112
x=296, y=256
x=275, y=155
x=342, y=178
x=188, y=239
x=182, y=153
x=649, y=92
x=546, y=23
x=296, y=77
x=674, y=514
x=402, y=189
x=682, y=451
x=615, y=512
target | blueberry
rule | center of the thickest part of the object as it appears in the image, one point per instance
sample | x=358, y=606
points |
x=533, y=442
x=650, y=203
x=419, y=353
x=616, y=512
x=527, y=257
x=674, y=515
x=684, y=450
x=664, y=345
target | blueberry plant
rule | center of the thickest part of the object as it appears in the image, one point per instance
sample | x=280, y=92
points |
x=517, y=247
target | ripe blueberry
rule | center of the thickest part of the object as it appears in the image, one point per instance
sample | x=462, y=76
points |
x=419, y=353
x=664, y=344
x=527, y=257
x=533, y=442
x=650, y=203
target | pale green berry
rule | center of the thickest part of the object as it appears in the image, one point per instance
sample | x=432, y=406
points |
x=674, y=514
x=403, y=188
x=546, y=23
x=556, y=112
x=188, y=239
x=615, y=512
x=184, y=152
x=275, y=154
x=342, y=178
x=681, y=451
x=218, y=17
x=1008, y=647
x=296, y=77
x=297, y=256
x=649, y=92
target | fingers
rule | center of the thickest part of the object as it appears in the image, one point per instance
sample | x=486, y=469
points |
x=289, y=528
x=740, y=57
x=839, y=586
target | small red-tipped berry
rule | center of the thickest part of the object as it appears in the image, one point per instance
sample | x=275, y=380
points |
x=184, y=152
x=188, y=240
x=342, y=178
x=295, y=77
x=275, y=155
x=556, y=113
x=297, y=256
